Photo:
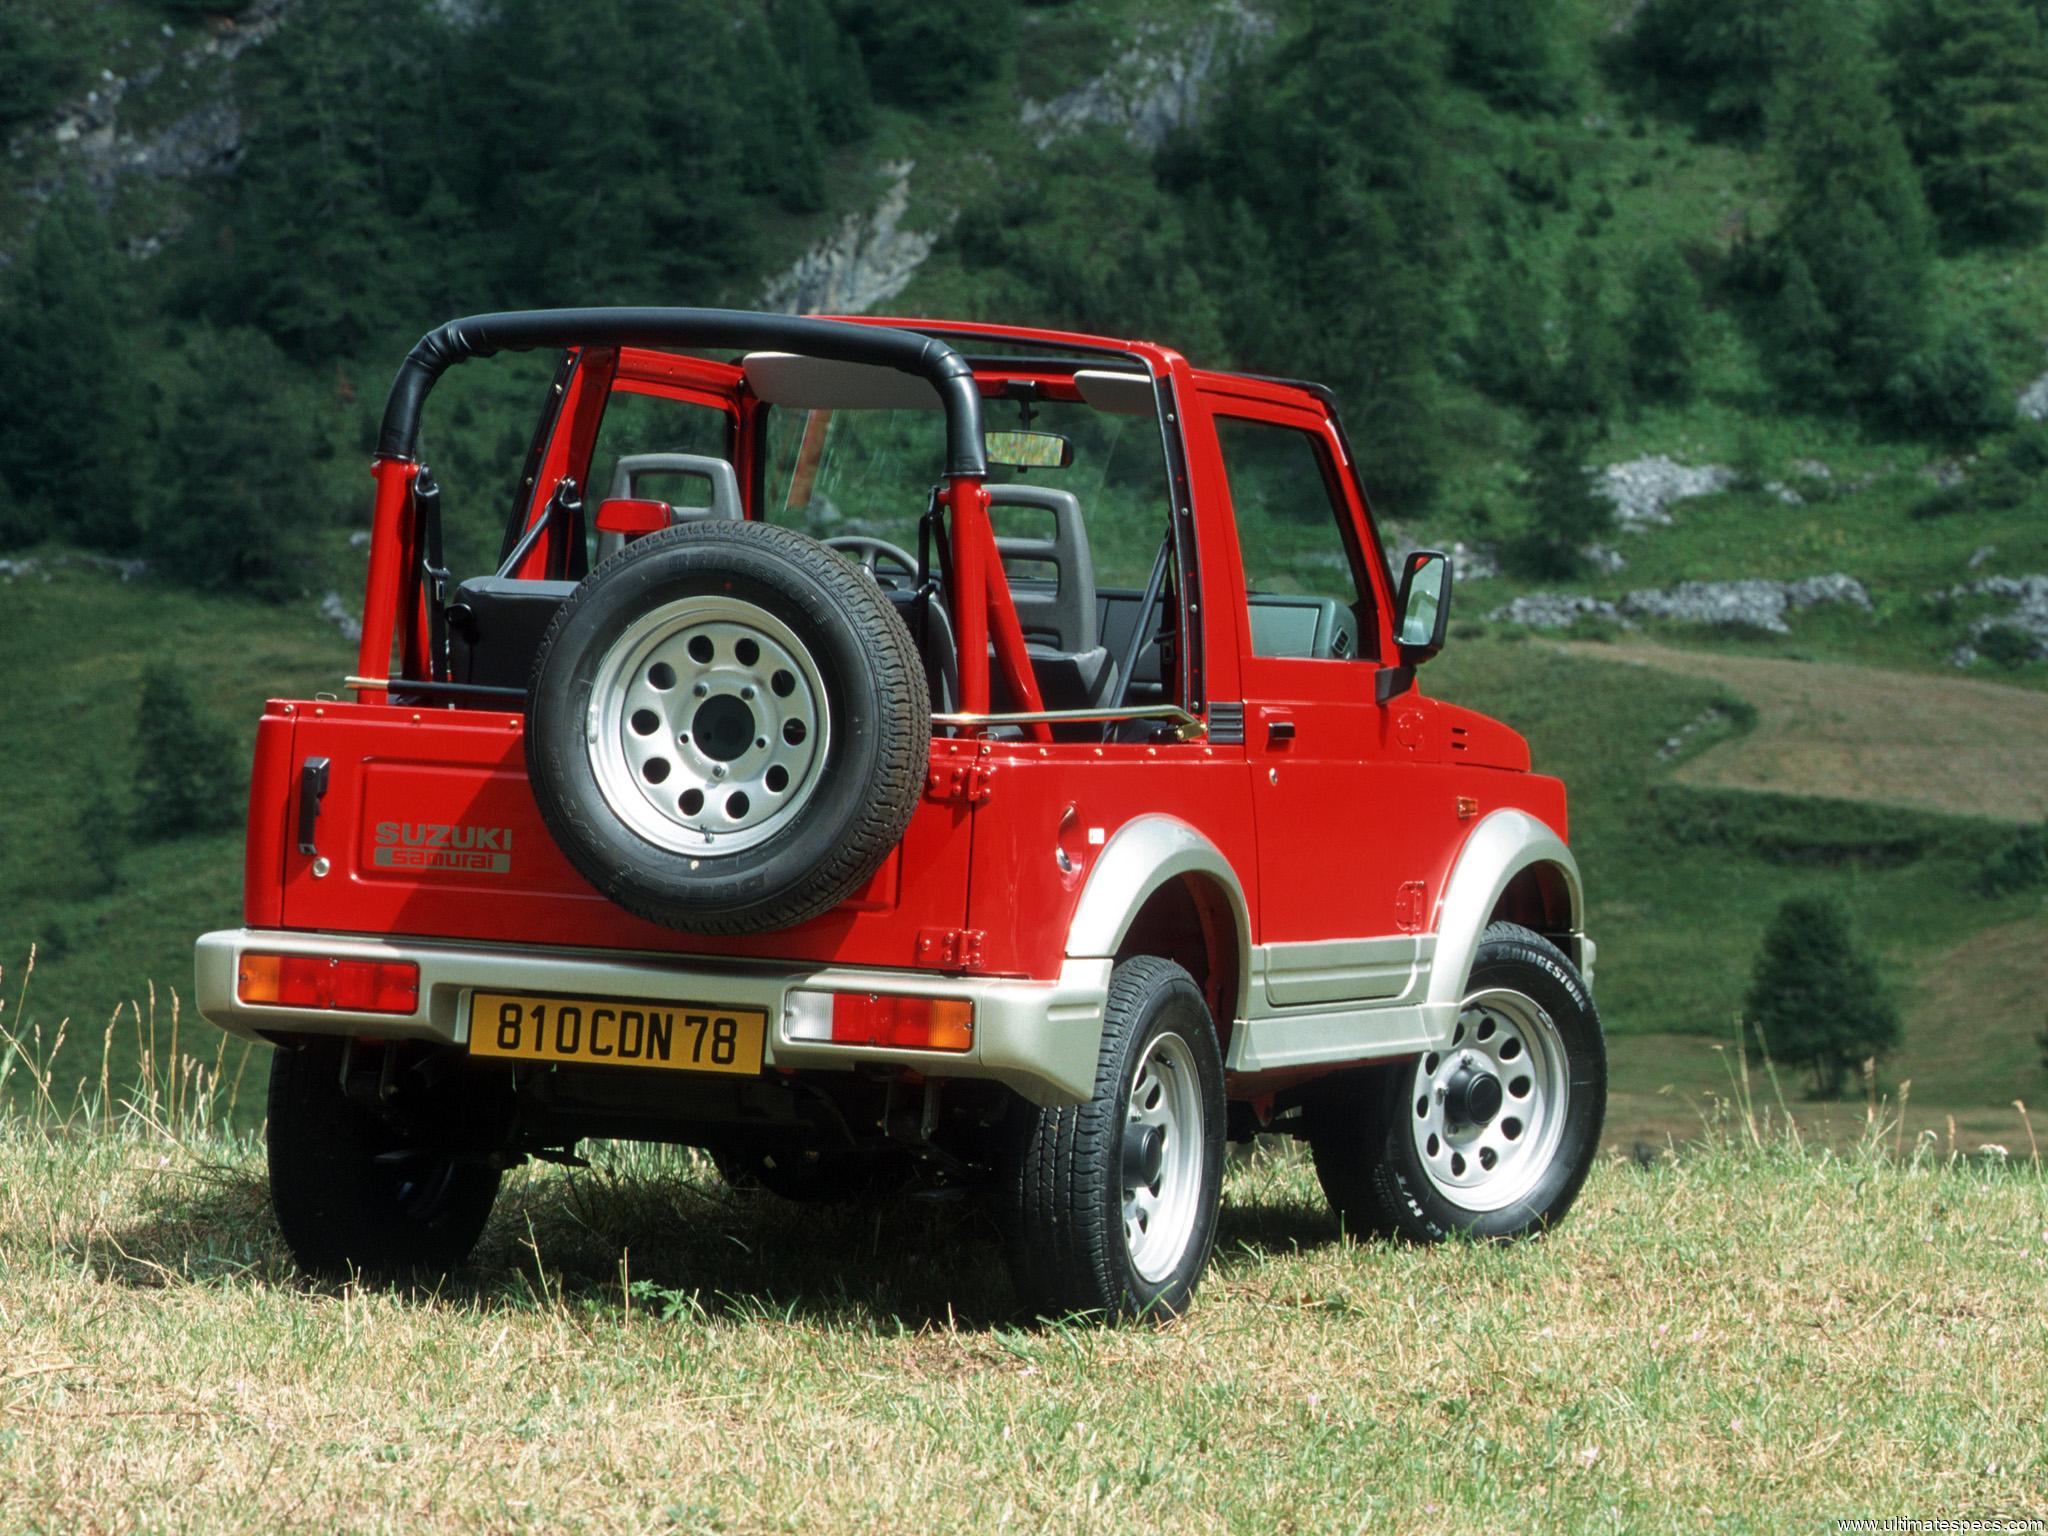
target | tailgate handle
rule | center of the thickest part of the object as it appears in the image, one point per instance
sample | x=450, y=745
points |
x=312, y=790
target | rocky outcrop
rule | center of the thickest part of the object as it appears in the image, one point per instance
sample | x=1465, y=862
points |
x=1642, y=490
x=1556, y=610
x=2028, y=614
x=94, y=145
x=1749, y=604
x=867, y=260
x=2032, y=404
x=1155, y=86
x=38, y=568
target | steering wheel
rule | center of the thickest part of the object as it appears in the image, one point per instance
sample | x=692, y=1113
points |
x=871, y=554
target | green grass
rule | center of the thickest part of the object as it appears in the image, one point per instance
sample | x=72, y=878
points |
x=72, y=653
x=1742, y=1336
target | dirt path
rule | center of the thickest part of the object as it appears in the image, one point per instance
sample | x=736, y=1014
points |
x=1862, y=733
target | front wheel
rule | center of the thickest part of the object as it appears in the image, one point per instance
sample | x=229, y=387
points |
x=1109, y=1207
x=1492, y=1134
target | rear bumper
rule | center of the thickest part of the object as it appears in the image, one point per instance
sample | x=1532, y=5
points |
x=1040, y=1038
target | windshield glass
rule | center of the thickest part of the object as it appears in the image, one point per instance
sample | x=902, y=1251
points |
x=832, y=473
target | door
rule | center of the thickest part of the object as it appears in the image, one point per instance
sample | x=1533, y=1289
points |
x=1335, y=775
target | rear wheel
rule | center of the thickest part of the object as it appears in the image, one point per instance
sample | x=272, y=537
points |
x=1493, y=1134
x=353, y=1194
x=1109, y=1207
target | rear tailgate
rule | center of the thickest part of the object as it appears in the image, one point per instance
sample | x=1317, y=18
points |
x=428, y=828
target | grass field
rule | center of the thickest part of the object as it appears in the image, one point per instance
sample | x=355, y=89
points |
x=1743, y=1335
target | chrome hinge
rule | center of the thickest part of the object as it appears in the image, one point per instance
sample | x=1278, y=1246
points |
x=950, y=949
x=969, y=783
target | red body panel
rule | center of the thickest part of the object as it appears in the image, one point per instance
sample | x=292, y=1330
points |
x=430, y=829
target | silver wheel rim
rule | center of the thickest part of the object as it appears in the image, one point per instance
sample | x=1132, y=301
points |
x=707, y=729
x=1162, y=1158
x=1484, y=1164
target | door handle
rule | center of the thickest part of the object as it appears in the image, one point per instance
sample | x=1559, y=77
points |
x=312, y=790
x=1279, y=726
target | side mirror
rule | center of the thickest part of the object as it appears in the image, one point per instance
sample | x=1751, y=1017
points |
x=632, y=515
x=1423, y=616
x=1424, y=606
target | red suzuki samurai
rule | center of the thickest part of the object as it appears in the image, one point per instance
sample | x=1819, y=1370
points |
x=943, y=754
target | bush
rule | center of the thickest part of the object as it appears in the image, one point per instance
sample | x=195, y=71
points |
x=2005, y=644
x=1815, y=999
x=186, y=777
x=2021, y=865
x=1948, y=389
x=1946, y=502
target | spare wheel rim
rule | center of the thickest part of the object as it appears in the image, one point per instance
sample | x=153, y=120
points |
x=707, y=729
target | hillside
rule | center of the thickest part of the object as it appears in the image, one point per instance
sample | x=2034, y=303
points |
x=1482, y=223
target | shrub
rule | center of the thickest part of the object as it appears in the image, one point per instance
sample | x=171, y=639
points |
x=2005, y=644
x=2021, y=865
x=1948, y=389
x=1815, y=999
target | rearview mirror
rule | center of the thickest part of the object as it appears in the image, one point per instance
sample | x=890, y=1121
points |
x=1028, y=450
x=1424, y=605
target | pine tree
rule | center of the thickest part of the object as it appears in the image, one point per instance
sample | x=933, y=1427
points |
x=923, y=53
x=639, y=202
x=1815, y=999
x=1971, y=84
x=311, y=242
x=1507, y=49
x=71, y=426
x=35, y=69
x=1854, y=214
x=235, y=495
x=1334, y=148
x=1593, y=377
x=1565, y=514
x=826, y=61
x=1663, y=326
x=1717, y=59
x=1506, y=345
x=186, y=779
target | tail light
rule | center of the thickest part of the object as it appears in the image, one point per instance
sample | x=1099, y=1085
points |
x=322, y=981
x=882, y=1018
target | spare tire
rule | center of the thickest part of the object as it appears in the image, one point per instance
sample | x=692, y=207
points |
x=727, y=728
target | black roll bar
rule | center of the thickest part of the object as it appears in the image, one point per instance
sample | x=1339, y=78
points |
x=528, y=330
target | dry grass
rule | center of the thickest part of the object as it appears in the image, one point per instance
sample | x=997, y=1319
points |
x=1950, y=744
x=1746, y=1336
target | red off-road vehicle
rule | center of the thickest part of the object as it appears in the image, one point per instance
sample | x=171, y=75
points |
x=892, y=752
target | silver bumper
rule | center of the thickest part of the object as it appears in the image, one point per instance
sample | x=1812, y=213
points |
x=1040, y=1038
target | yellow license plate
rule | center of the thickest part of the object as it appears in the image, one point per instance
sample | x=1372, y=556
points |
x=621, y=1032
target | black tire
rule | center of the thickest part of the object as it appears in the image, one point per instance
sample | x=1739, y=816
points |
x=341, y=1211
x=1064, y=1179
x=1360, y=1126
x=875, y=709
